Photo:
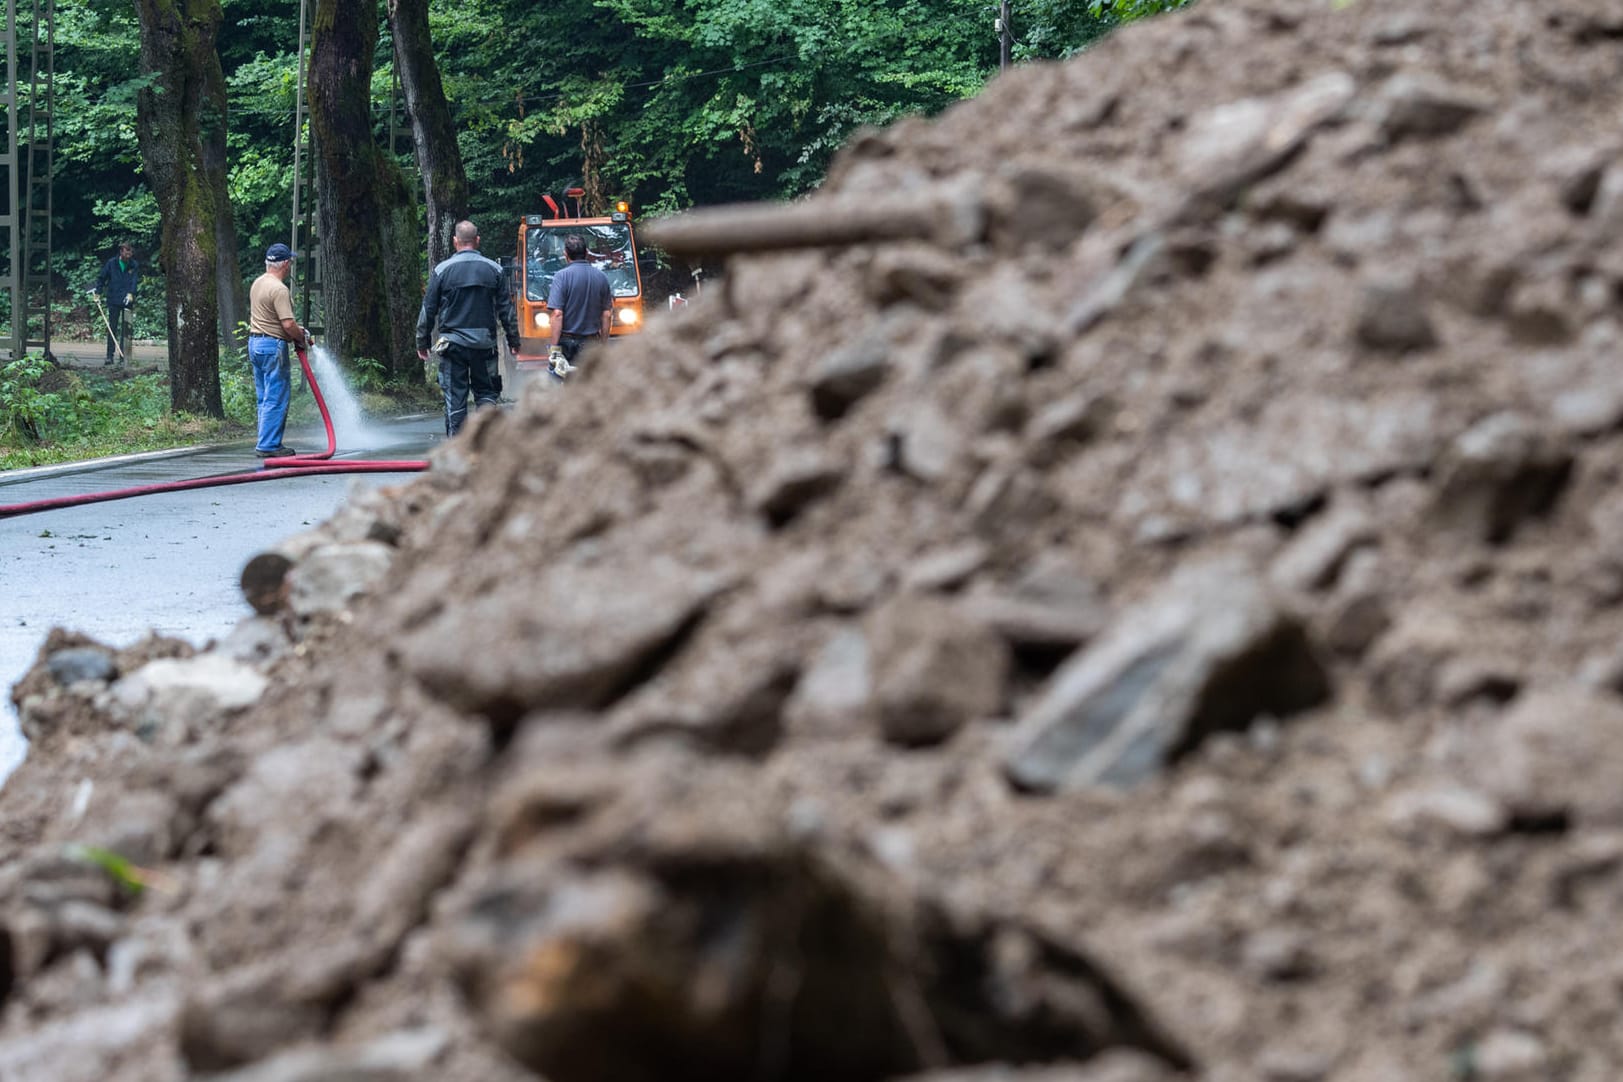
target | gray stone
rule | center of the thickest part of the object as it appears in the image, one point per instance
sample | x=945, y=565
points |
x=1422, y=105
x=1455, y=808
x=831, y=698
x=402, y=1056
x=1498, y=473
x=947, y=568
x=846, y=376
x=1031, y=622
x=1314, y=556
x=924, y=443
x=1277, y=954
x=1555, y=755
x=577, y=638
x=1288, y=458
x=1074, y=419
x=170, y=697
x=1392, y=317
x=328, y=578
x=793, y=480
x=1506, y=1054
x=79, y=663
x=1231, y=147
x=933, y=667
x=1210, y=651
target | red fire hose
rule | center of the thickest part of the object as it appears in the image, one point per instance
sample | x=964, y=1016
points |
x=273, y=468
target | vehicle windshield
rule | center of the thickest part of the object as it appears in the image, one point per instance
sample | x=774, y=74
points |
x=607, y=246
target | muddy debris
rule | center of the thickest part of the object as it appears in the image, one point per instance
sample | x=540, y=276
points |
x=1119, y=586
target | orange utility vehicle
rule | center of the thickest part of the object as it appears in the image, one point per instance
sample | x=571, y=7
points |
x=610, y=244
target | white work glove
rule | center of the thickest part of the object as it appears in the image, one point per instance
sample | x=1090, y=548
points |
x=129, y=299
x=559, y=363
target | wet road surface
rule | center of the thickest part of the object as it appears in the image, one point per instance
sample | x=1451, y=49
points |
x=168, y=562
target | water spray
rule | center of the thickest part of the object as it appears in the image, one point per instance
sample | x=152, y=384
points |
x=272, y=468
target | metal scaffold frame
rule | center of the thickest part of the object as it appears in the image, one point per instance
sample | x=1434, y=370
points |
x=305, y=280
x=28, y=160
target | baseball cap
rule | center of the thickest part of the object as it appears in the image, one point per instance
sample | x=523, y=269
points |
x=278, y=253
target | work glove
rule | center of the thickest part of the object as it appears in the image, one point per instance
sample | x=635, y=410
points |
x=129, y=299
x=559, y=363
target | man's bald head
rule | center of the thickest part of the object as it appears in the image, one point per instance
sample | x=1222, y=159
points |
x=465, y=236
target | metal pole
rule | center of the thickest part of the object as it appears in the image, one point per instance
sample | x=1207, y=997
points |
x=298, y=144
x=14, y=217
x=1004, y=36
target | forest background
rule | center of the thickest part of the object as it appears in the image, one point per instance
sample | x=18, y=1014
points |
x=667, y=104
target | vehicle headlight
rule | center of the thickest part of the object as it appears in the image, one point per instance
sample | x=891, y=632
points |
x=626, y=316
x=541, y=320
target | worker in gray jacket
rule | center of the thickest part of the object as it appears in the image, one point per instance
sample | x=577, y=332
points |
x=466, y=298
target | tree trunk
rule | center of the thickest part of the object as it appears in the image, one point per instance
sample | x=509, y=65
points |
x=230, y=292
x=177, y=51
x=366, y=214
x=433, y=136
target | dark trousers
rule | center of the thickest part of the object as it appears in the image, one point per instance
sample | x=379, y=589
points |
x=118, y=318
x=571, y=344
x=464, y=371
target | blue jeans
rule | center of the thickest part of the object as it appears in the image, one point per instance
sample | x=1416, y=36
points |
x=271, y=388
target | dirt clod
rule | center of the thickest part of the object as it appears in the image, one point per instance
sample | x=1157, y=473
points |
x=1230, y=415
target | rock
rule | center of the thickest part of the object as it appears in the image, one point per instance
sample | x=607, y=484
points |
x=1074, y=419
x=1029, y=197
x=1025, y=622
x=793, y=480
x=946, y=568
x=1465, y=812
x=396, y=1057
x=669, y=953
x=1553, y=757
x=1510, y=1054
x=170, y=697
x=585, y=631
x=1314, y=556
x=247, y=1018
x=1392, y=316
x=845, y=377
x=924, y=444
x=329, y=577
x=1405, y=663
x=1421, y=105
x=1603, y=670
x=832, y=697
x=933, y=668
x=81, y=1045
x=1275, y=954
x=1497, y=474
x=1464, y=680
x=80, y=663
x=1211, y=650
x=264, y=581
x=1231, y=147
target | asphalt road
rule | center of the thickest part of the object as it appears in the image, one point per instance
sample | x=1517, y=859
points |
x=169, y=562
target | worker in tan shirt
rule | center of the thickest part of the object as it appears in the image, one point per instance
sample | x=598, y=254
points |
x=271, y=327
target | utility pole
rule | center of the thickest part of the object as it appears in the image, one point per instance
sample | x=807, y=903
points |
x=1005, y=37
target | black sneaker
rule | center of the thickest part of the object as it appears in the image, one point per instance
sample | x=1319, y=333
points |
x=284, y=451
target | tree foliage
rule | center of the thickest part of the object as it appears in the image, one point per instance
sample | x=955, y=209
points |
x=668, y=103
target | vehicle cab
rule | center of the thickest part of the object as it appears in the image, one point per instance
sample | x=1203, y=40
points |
x=611, y=246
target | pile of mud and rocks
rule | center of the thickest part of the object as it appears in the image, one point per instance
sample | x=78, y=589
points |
x=1120, y=586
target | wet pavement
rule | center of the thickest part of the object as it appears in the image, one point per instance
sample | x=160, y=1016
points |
x=167, y=562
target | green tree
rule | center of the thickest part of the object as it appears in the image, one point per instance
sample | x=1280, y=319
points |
x=177, y=110
x=368, y=214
